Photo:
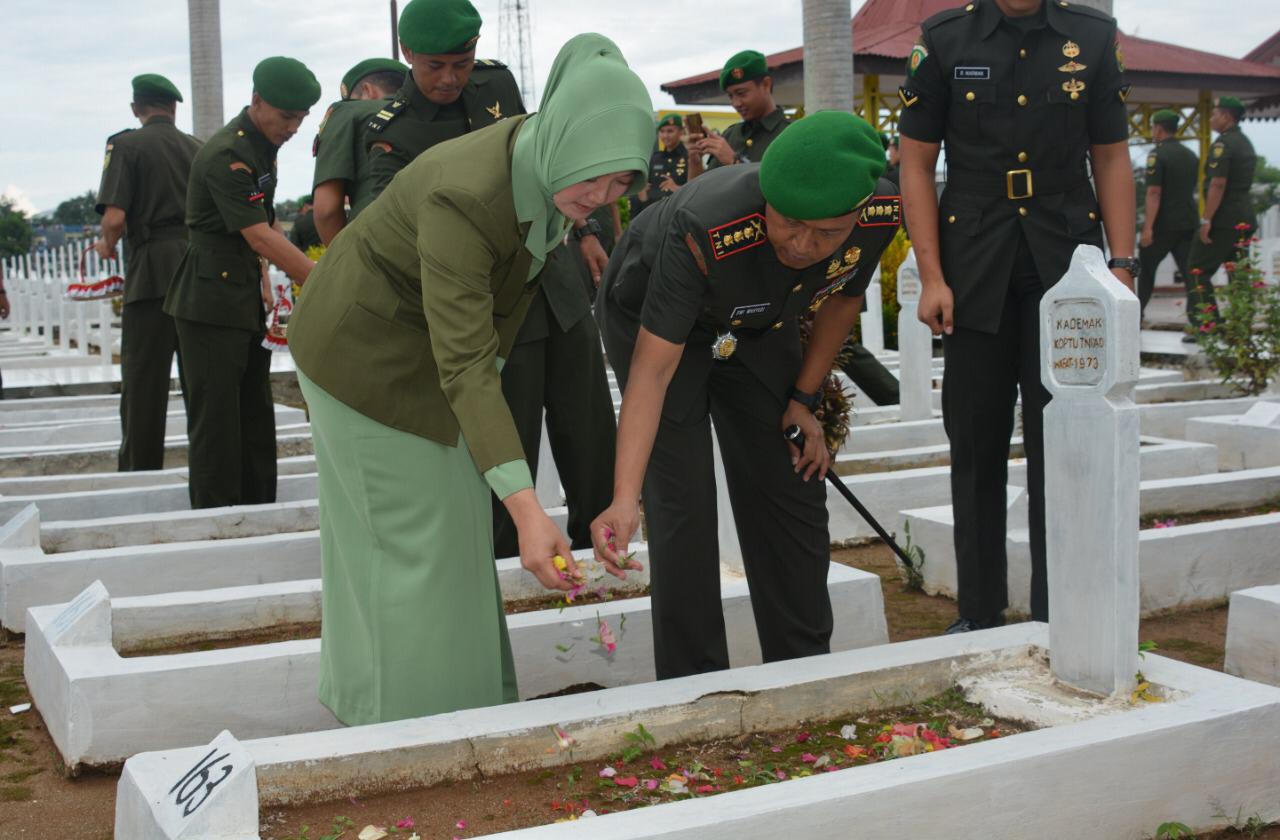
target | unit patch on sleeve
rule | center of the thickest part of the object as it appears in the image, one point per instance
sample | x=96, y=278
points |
x=882, y=211
x=738, y=235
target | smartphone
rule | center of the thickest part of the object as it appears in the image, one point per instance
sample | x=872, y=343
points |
x=694, y=123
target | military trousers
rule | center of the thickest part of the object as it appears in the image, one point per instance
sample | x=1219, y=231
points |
x=983, y=376
x=1225, y=245
x=873, y=378
x=563, y=373
x=231, y=424
x=1163, y=243
x=148, y=343
x=781, y=522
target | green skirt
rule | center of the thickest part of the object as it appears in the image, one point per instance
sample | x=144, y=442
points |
x=413, y=622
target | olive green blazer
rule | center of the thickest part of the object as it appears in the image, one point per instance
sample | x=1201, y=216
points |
x=409, y=311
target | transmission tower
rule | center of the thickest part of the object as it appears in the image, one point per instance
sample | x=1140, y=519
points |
x=514, y=36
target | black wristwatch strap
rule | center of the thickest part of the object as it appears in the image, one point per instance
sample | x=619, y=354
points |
x=809, y=401
x=591, y=228
x=1129, y=264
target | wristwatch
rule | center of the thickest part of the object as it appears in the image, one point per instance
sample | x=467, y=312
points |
x=1129, y=264
x=809, y=401
x=591, y=228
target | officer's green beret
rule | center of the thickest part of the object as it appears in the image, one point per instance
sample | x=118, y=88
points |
x=1230, y=103
x=823, y=166
x=370, y=65
x=286, y=83
x=155, y=86
x=743, y=67
x=439, y=27
x=1168, y=119
x=671, y=119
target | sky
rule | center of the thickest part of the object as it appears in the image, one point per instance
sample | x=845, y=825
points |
x=68, y=64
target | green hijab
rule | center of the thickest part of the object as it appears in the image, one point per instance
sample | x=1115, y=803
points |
x=596, y=119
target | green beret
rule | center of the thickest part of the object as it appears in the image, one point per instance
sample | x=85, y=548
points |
x=671, y=119
x=370, y=65
x=439, y=27
x=1168, y=119
x=286, y=83
x=743, y=67
x=155, y=86
x=1231, y=103
x=822, y=166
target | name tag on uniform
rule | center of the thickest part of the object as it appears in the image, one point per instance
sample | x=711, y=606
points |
x=749, y=310
x=972, y=73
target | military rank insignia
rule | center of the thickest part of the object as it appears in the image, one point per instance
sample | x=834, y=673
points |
x=881, y=211
x=379, y=121
x=737, y=236
x=908, y=97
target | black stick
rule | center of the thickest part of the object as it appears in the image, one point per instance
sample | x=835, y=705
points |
x=796, y=437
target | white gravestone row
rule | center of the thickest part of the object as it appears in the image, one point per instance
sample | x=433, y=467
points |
x=1089, y=364
x=915, y=347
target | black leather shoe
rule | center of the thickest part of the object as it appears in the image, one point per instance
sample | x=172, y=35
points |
x=968, y=625
x=1188, y=339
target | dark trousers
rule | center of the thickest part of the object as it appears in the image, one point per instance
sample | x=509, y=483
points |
x=148, y=343
x=1162, y=245
x=565, y=374
x=980, y=385
x=781, y=522
x=1225, y=245
x=872, y=377
x=231, y=423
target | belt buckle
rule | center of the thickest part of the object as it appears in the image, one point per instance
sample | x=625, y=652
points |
x=1008, y=180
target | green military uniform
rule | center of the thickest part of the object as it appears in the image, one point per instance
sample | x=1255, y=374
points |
x=216, y=299
x=410, y=124
x=145, y=175
x=699, y=270
x=750, y=138
x=339, y=149
x=304, y=234
x=1018, y=102
x=1173, y=168
x=1232, y=157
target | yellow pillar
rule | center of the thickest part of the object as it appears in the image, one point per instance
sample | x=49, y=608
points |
x=1205, y=135
x=871, y=99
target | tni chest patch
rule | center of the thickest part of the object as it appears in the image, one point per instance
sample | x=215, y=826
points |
x=738, y=235
x=882, y=211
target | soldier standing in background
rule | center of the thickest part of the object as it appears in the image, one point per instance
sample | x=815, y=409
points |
x=669, y=166
x=1171, y=212
x=303, y=234
x=1228, y=207
x=342, y=165
x=143, y=197
x=220, y=293
x=447, y=93
x=745, y=78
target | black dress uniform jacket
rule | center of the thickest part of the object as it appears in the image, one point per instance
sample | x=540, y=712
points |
x=663, y=164
x=750, y=138
x=1018, y=106
x=1173, y=168
x=698, y=266
x=410, y=123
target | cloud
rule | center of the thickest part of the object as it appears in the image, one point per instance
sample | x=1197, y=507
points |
x=14, y=194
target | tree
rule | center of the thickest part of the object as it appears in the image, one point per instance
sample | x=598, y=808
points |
x=15, y=230
x=78, y=210
x=204, y=20
x=828, y=56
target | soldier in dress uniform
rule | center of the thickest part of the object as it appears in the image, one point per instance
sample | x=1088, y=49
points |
x=745, y=78
x=1229, y=218
x=699, y=311
x=220, y=293
x=143, y=197
x=1171, y=212
x=303, y=234
x=447, y=93
x=342, y=166
x=669, y=167
x=1029, y=96
x=894, y=168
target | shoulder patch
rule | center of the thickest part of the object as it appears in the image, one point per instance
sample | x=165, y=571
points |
x=1151, y=161
x=737, y=236
x=919, y=52
x=881, y=211
x=379, y=121
x=698, y=258
x=1219, y=149
x=241, y=166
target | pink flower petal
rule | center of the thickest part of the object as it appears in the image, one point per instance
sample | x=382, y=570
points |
x=651, y=784
x=626, y=781
x=461, y=825
x=607, y=772
x=407, y=822
x=802, y=737
x=808, y=758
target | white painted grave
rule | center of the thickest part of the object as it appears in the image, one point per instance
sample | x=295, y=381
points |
x=1089, y=363
x=1253, y=634
x=872, y=320
x=1247, y=440
x=101, y=708
x=915, y=346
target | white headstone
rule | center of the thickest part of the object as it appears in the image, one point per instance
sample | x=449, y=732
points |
x=1089, y=363
x=915, y=346
x=206, y=792
x=23, y=530
x=546, y=483
x=1264, y=413
x=872, y=321
x=726, y=529
x=84, y=621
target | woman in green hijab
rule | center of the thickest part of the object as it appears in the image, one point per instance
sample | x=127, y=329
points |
x=398, y=342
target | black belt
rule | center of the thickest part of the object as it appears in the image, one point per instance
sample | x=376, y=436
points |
x=1017, y=183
